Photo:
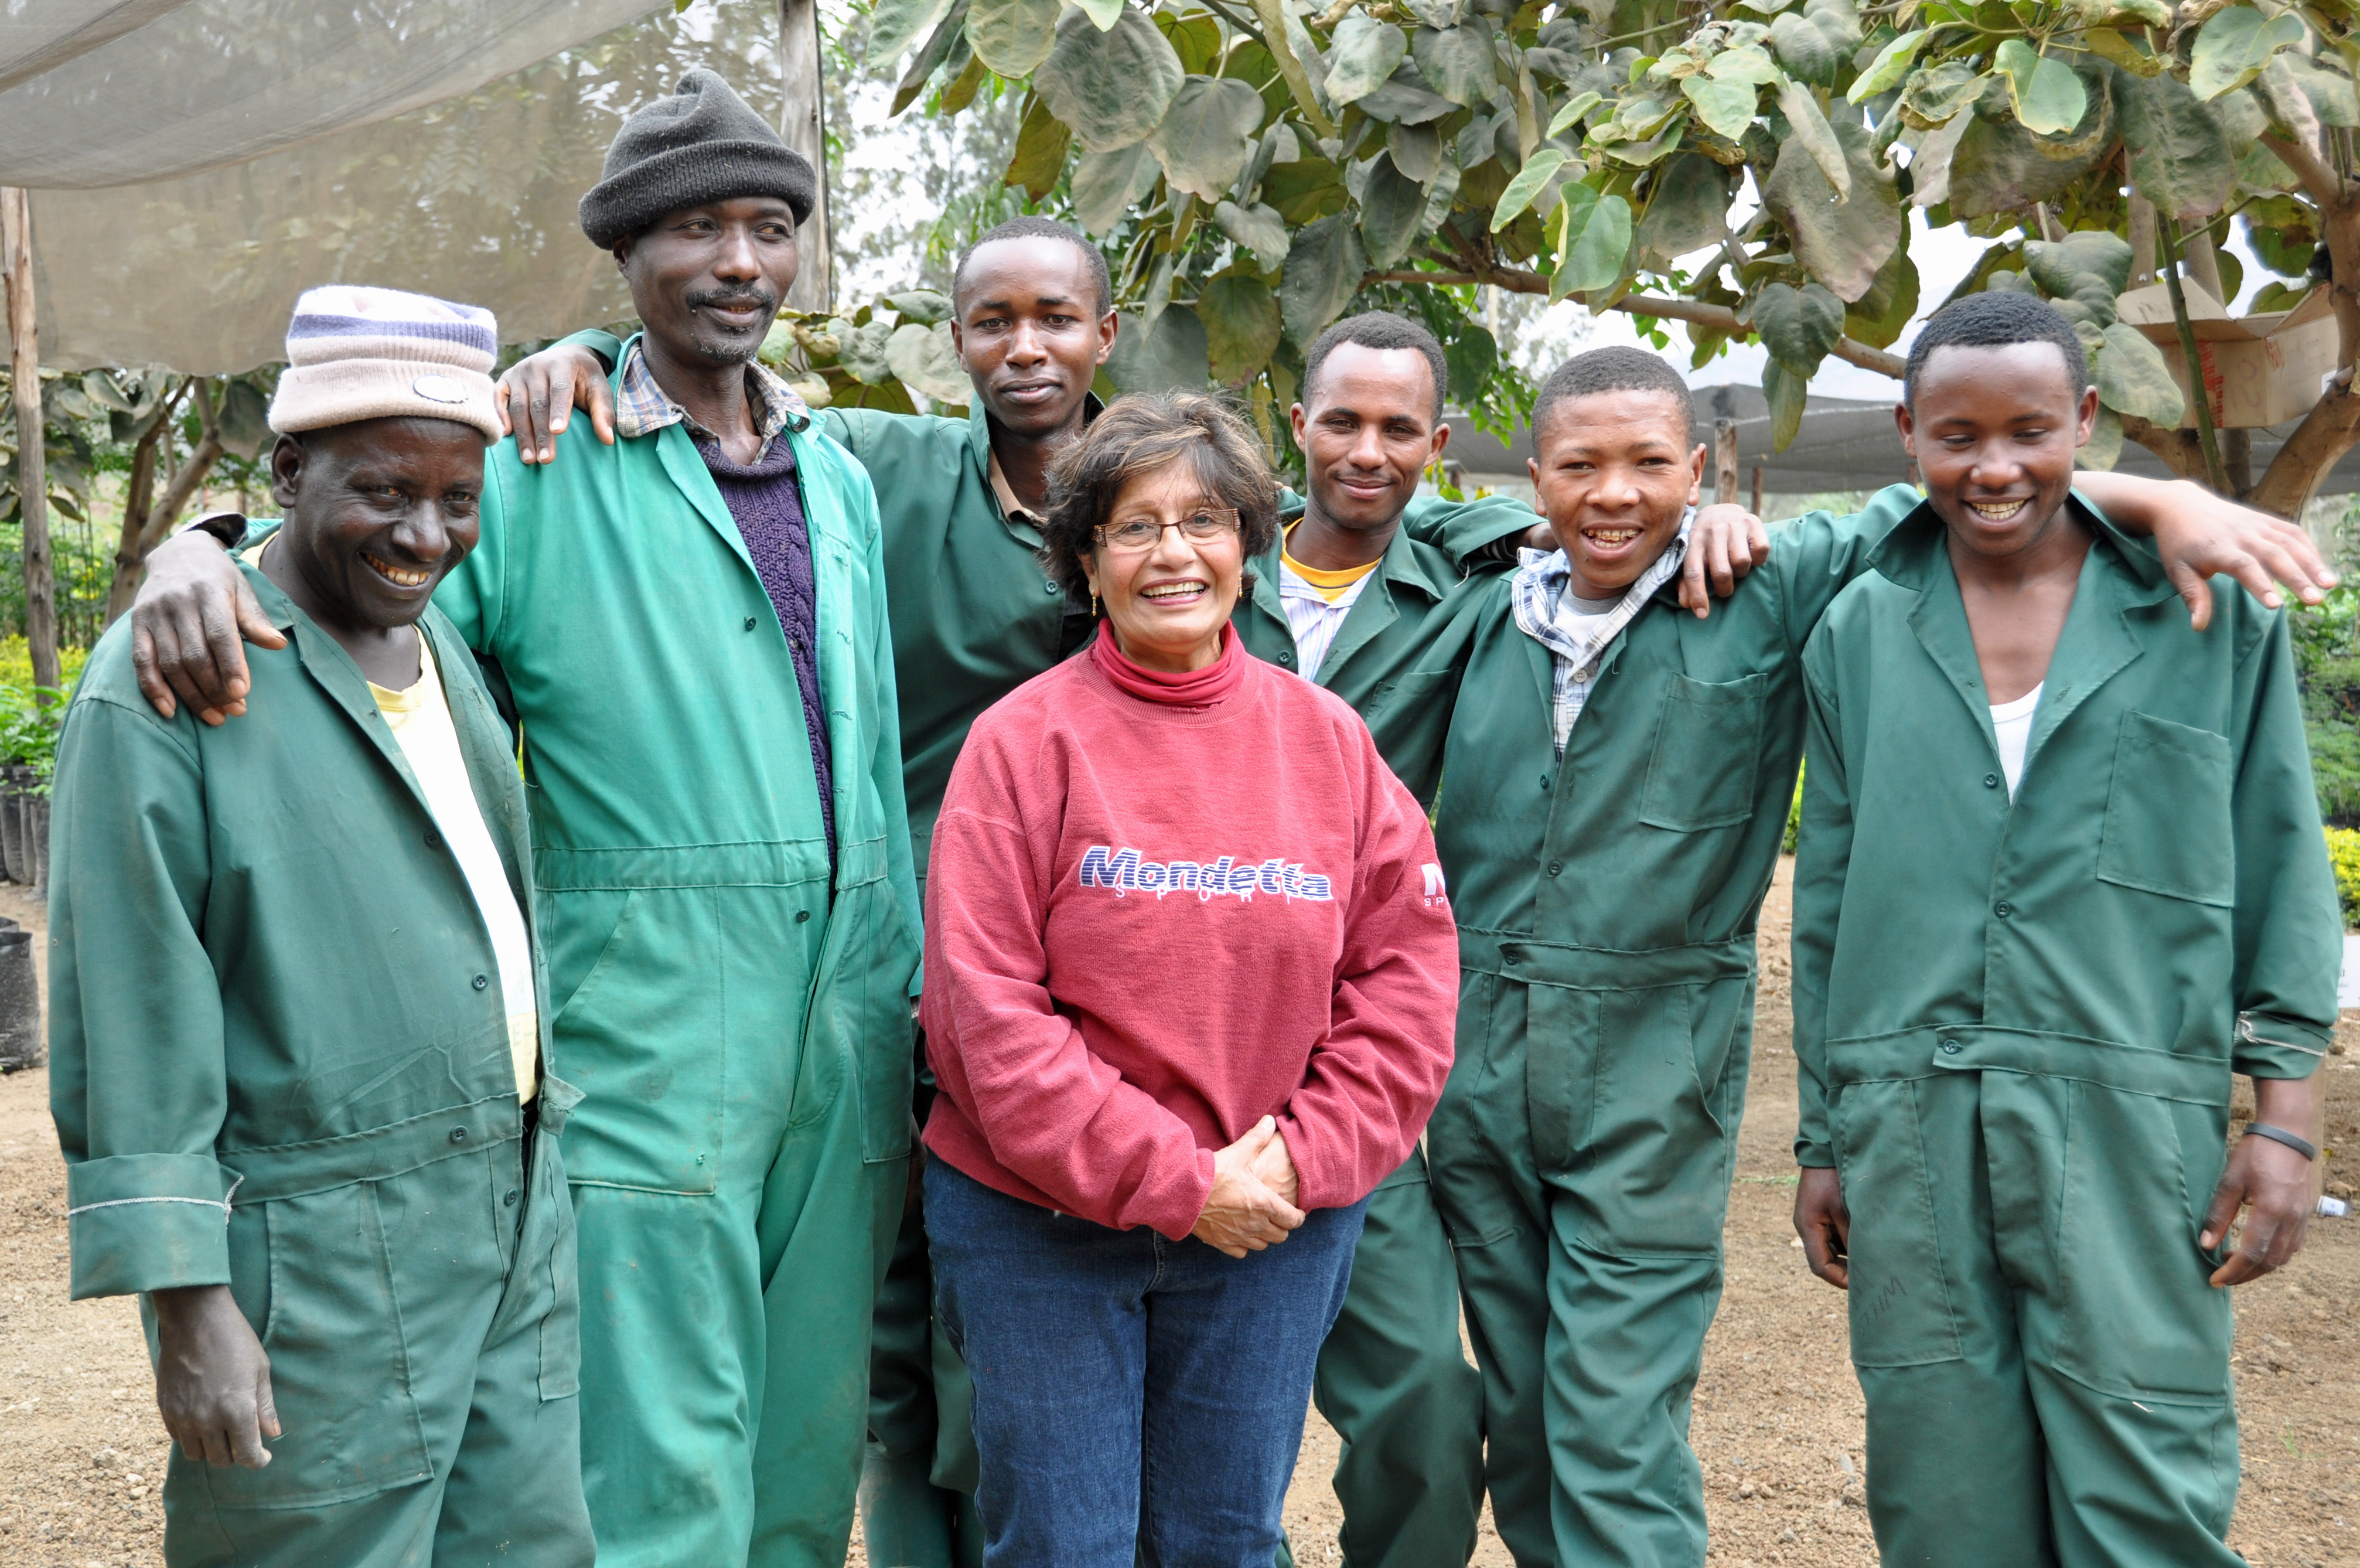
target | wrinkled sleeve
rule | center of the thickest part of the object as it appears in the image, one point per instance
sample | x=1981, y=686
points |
x=885, y=762
x=1822, y=855
x=600, y=342
x=1052, y=1112
x=1373, y=1081
x=1459, y=529
x=138, y=1082
x=2290, y=929
x=1818, y=554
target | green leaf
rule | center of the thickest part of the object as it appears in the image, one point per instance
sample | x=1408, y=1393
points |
x=1171, y=356
x=1106, y=184
x=949, y=33
x=1257, y=228
x=1391, y=205
x=1103, y=14
x=2045, y=94
x=1786, y=392
x=1405, y=100
x=1365, y=55
x=2083, y=257
x=1818, y=41
x=1304, y=191
x=861, y=352
x=2128, y=51
x=1594, y=241
x=2330, y=92
x=1842, y=238
x=924, y=305
x=244, y=425
x=1458, y=63
x=1576, y=108
x=2133, y=378
x=2128, y=12
x=1441, y=197
x=1113, y=87
x=2180, y=154
x=1726, y=108
x=1879, y=317
x=1798, y=326
x=1885, y=71
x=894, y=25
x=1814, y=135
x=1999, y=166
x=1208, y=135
x=1012, y=37
x=1688, y=207
x=1040, y=156
x=922, y=357
x=1323, y=272
x=1241, y=326
x=1744, y=63
x=2232, y=49
x=1936, y=94
x=1526, y=185
x=1416, y=151
x=1471, y=356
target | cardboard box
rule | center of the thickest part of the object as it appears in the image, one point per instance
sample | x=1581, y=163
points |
x=2258, y=371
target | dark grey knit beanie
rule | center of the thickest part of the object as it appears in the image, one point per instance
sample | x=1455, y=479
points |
x=701, y=144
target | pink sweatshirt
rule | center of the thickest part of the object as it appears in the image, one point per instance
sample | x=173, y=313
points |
x=1148, y=925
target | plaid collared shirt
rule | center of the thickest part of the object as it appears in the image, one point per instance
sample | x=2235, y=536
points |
x=1575, y=640
x=641, y=407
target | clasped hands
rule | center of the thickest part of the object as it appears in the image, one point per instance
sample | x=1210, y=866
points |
x=1251, y=1205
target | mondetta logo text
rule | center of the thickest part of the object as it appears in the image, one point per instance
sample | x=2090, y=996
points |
x=1125, y=871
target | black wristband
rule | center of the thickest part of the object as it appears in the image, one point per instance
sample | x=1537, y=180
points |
x=2302, y=1146
x=227, y=529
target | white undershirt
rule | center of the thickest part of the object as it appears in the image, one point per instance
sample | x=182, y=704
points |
x=2011, y=722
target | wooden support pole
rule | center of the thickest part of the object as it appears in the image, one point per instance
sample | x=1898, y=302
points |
x=1724, y=461
x=32, y=456
x=1756, y=508
x=802, y=121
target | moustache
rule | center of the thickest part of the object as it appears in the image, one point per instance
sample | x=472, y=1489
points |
x=762, y=300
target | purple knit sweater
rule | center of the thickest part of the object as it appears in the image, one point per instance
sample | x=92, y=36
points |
x=767, y=507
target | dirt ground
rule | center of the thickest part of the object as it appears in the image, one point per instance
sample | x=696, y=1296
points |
x=1777, y=1419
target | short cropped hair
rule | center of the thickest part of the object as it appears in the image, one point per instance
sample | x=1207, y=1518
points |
x=1998, y=318
x=1143, y=433
x=1382, y=330
x=1614, y=369
x=1040, y=228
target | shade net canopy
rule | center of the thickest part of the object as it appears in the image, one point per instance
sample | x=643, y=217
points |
x=472, y=197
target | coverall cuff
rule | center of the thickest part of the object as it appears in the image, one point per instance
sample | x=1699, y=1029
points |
x=2271, y=1045
x=604, y=345
x=148, y=1221
x=1814, y=1155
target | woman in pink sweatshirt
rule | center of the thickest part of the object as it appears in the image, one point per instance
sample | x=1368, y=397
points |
x=1191, y=976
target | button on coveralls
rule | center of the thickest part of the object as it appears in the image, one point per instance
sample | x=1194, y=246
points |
x=738, y=1021
x=2016, y=1024
x=272, y=993
x=1581, y=1153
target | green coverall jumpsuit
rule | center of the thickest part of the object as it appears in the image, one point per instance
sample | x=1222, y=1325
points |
x=2017, y=1023
x=1581, y=1153
x=280, y=1062
x=735, y=1010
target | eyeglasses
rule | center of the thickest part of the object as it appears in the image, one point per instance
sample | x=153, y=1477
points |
x=1137, y=535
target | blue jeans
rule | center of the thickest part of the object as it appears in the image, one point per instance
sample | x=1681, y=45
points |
x=1132, y=1394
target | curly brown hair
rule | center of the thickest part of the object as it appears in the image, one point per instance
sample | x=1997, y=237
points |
x=1141, y=434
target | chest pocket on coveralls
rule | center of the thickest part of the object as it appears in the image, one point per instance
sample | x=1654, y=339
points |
x=2167, y=826
x=1708, y=749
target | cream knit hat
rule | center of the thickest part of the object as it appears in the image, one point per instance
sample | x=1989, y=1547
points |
x=355, y=354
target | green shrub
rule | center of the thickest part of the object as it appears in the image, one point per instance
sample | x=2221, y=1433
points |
x=2327, y=668
x=1794, y=814
x=2344, y=854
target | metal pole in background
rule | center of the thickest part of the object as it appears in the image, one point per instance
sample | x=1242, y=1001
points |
x=32, y=458
x=802, y=122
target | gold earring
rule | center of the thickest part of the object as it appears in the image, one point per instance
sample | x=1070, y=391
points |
x=1094, y=604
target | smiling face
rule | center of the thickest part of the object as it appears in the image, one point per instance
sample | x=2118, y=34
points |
x=1168, y=602
x=1368, y=431
x=706, y=281
x=1994, y=430
x=377, y=514
x=1613, y=475
x=1029, y=331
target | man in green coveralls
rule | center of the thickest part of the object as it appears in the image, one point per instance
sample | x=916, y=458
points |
x=1615, y=786
x=2061, y=876
x=296, y=1022
x=960, y=500
x=692, y=624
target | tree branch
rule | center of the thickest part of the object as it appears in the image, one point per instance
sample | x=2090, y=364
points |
x=190, y=475
x=1721, y=318
x=2319, y=181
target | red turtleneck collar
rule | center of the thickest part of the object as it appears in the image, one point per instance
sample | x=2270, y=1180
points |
x=1197, y=689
